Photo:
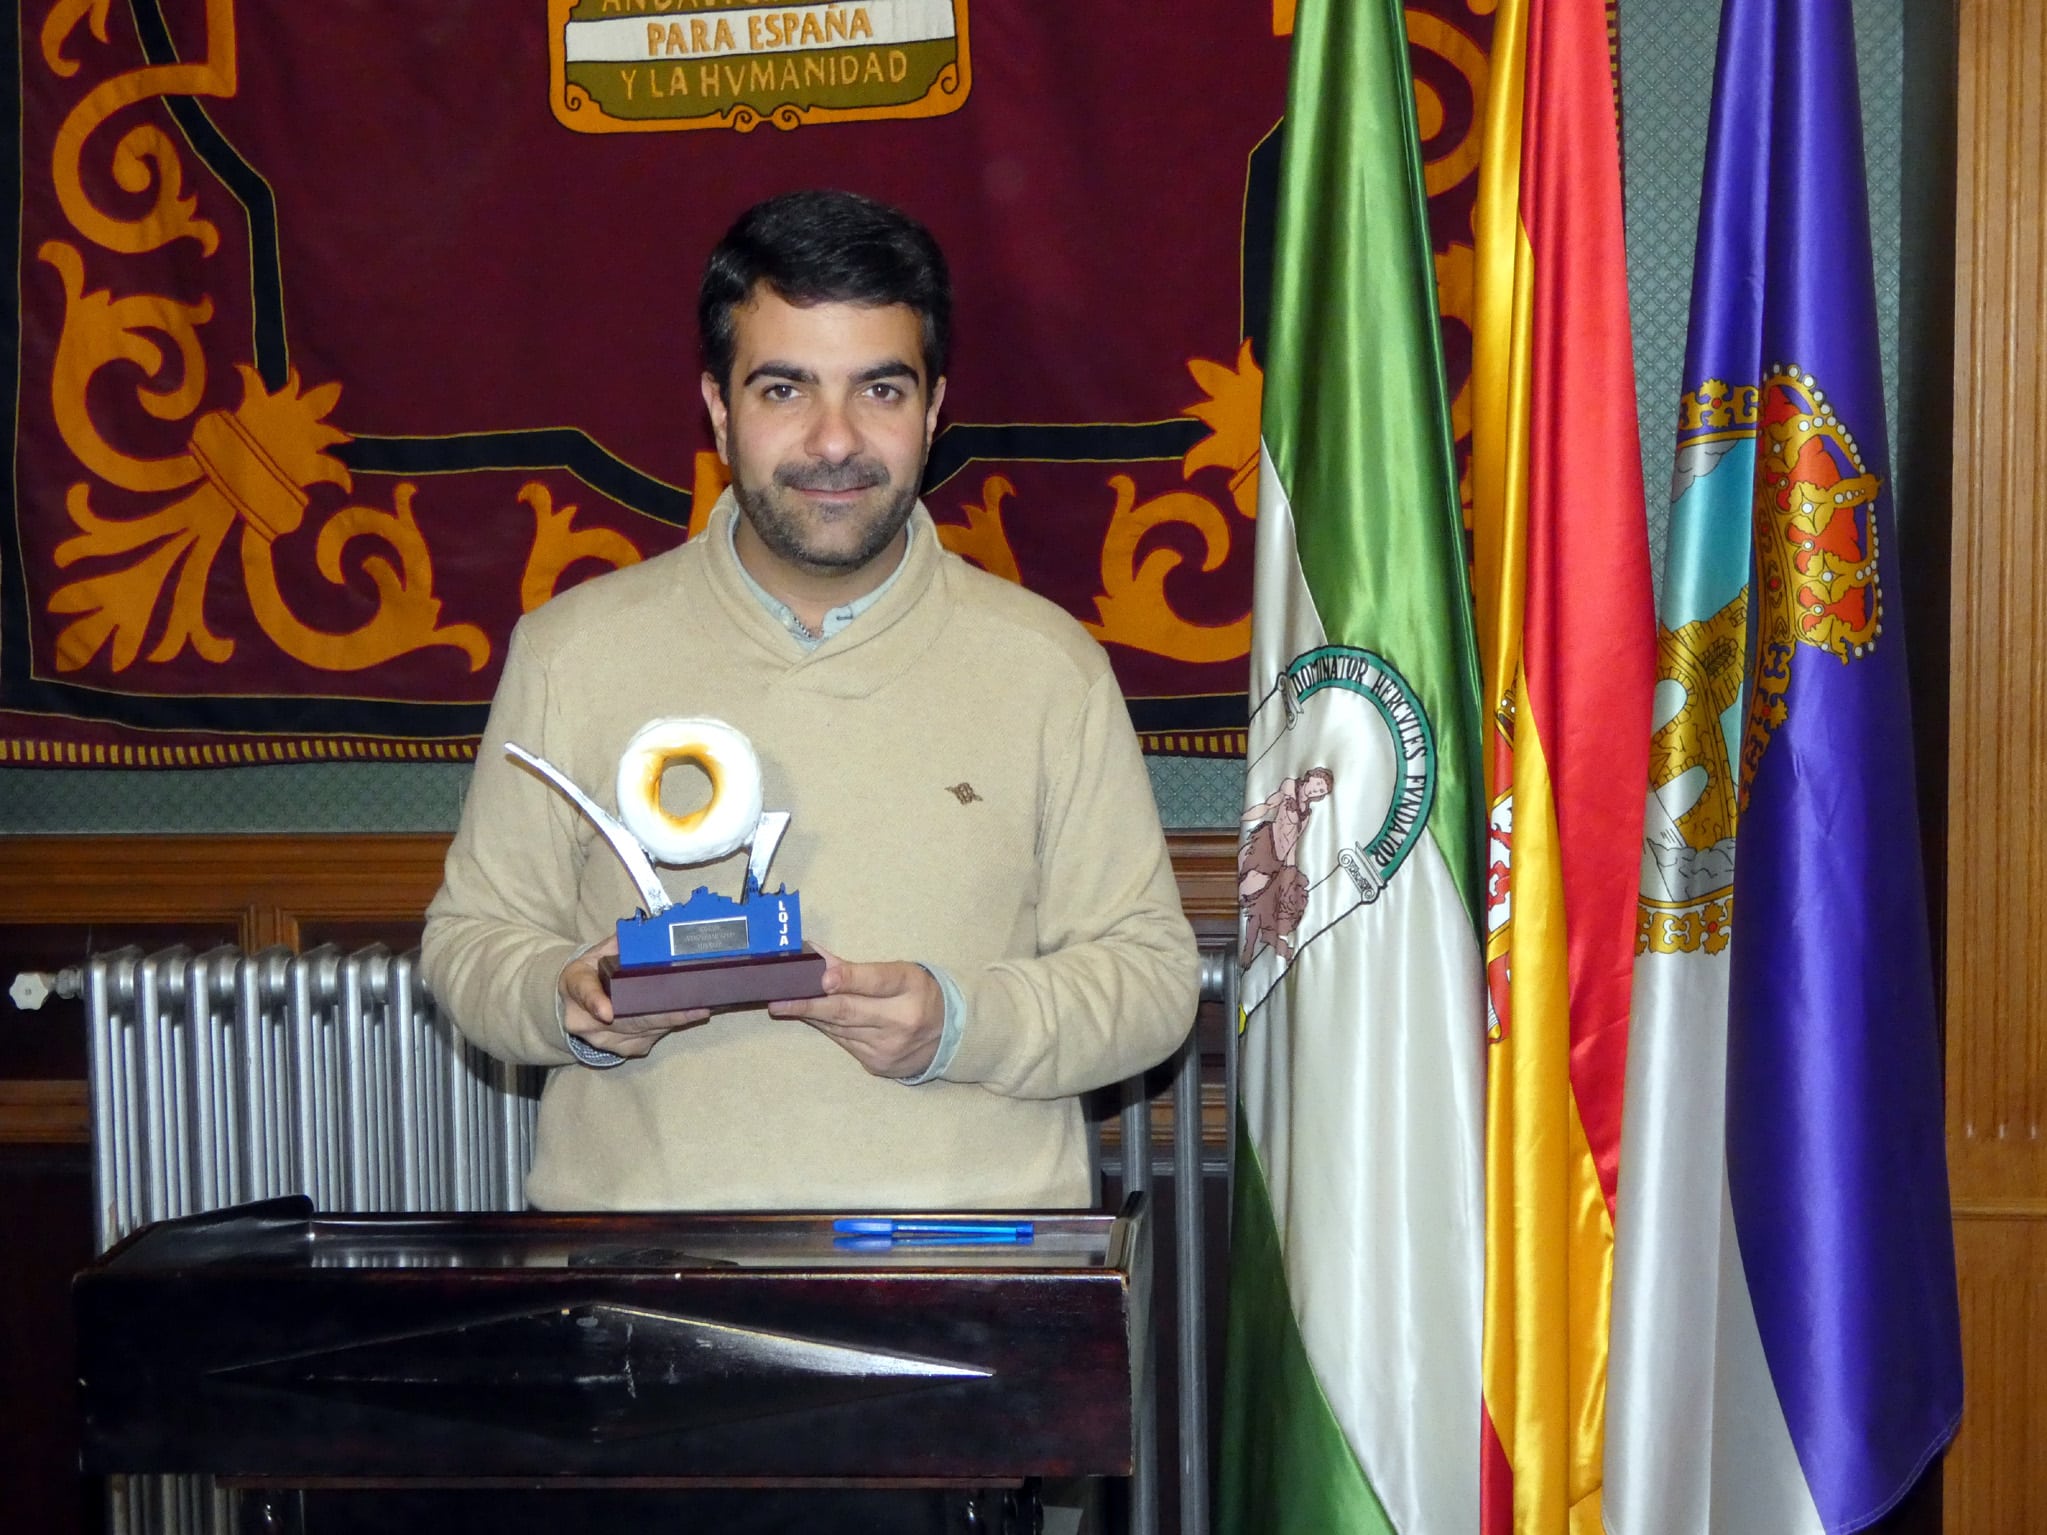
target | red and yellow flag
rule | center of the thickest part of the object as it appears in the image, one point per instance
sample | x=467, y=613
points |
x=1567, y=643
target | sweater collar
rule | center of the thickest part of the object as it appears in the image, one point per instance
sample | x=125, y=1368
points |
x=836, y=618
x=899, y=624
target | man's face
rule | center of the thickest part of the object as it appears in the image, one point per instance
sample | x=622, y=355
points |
x=826, y=427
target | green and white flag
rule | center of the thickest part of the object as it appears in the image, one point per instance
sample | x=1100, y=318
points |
x=1352, y=1398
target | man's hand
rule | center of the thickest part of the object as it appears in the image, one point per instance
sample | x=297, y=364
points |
x=587, y=1013
x=887, y=1016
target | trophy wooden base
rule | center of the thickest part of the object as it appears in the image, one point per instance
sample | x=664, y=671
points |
x=747, y=982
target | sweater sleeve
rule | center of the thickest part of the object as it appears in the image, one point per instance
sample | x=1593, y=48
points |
x=504, y=922
x=1114, y=986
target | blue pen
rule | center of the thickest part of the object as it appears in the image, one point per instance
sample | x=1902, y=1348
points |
x=875, y=1244
x=999, y=1231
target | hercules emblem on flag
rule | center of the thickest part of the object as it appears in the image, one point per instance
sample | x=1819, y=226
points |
x=1348, y=777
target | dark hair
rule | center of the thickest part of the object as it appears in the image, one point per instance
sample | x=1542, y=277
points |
x=825, y=248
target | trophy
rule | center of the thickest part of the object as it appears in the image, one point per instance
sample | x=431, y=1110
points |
x=707, y=951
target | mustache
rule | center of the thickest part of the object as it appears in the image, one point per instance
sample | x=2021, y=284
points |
x=854, y=474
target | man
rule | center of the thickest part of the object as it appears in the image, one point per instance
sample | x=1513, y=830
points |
x=974, y=835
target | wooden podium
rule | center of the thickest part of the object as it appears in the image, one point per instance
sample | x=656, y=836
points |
x=738, y=1372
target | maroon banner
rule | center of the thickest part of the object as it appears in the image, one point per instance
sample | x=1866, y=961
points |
x=350, y=333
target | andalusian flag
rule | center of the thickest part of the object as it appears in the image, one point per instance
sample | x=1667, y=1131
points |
x=1352, y=1382
x=1566, y=631
x=1786, y=1350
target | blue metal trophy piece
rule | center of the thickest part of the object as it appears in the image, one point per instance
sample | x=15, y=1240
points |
x=712, y=926
x=710, y=950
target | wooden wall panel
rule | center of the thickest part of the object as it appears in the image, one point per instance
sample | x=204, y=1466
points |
x=265, y=885
x=273, y=886
x=1997, y=839
x=1995, y=1478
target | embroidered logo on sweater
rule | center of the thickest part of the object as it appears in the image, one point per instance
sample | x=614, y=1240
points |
x=963, y=792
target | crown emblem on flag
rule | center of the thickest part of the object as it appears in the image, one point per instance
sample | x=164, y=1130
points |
x=1815, y=546
x=1816, y=495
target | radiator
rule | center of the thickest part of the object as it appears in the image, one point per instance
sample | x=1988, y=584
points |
x=223, y=1077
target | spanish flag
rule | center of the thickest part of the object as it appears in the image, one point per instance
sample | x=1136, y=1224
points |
x=1567, y=648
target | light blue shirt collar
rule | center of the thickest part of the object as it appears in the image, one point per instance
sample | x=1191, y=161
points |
x=835, y=619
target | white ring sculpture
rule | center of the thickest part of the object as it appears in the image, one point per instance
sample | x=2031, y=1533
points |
x=722, y=826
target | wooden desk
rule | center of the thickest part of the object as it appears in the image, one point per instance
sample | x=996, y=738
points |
x=389, y=1362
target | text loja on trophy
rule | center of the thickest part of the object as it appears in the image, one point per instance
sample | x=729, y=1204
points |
x=707, y=951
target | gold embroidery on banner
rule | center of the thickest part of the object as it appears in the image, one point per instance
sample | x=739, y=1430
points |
x=57, y=28
x=250, y=466
x=1445, y=167
x=1227, y=743
x=1132, y=606
x=558, y=544
x=1230, y=409
x=99, y=329
x=984, y=540
x=407, y=615
x=145, y=157
x=1448, y=166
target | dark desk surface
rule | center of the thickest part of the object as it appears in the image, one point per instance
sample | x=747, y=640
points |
x=268, y=1342
x=283, y=1237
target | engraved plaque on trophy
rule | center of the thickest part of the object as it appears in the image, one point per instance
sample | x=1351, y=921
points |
x=710, y=950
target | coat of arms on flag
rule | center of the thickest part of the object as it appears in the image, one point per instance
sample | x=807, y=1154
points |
x=1327, y=839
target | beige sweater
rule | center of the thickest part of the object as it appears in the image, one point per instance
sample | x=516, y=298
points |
x=1045, y=891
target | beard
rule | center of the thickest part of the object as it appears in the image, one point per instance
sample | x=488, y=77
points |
x=826, y=542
